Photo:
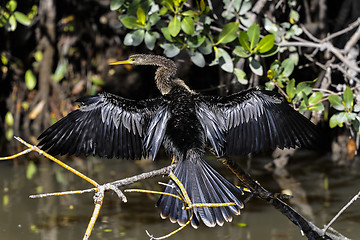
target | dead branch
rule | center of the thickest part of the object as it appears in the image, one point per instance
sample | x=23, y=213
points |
x=307, y=228
x=341, y=211
x=325, y=44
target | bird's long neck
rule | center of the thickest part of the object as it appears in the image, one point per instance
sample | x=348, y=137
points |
x=165, y=74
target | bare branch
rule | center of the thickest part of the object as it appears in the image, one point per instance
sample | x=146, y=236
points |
x=309, y=229
x=341, y=32
x=341, y=211
x=322, y=47
x=353, y=40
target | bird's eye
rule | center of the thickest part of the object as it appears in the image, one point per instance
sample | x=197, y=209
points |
x=132, y=59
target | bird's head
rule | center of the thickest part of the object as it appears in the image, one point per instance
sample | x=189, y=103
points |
x=143, y=59
x=165, y=74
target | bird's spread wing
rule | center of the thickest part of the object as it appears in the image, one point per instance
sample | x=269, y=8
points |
x=108, y=125
x=254, y=121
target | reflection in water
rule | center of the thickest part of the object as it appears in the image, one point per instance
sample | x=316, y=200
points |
x=66, y=217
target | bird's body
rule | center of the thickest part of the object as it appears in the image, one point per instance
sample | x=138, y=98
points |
x=184, y=130
x=182, y=121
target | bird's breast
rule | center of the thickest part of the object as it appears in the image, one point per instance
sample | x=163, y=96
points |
x=184, y=131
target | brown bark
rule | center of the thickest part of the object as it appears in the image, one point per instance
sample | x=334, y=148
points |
x=47, y=32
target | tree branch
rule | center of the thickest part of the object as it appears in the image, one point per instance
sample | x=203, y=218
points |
x=311, y=231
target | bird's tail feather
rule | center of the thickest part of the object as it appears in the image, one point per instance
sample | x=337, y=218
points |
x=203, y=185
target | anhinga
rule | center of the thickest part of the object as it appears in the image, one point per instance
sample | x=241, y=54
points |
x=182, y=121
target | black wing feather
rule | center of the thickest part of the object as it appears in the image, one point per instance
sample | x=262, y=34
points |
x=254, y=121
x=107, y=125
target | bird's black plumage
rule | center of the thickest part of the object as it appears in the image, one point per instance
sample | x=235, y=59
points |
x=182, y=121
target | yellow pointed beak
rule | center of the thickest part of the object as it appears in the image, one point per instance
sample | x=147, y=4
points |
x=121, y=62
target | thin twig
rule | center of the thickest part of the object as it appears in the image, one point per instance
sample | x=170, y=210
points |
x=341, y=211
x=44, y=195
x=341, y=32
x=16, y=155
x=309, y=35
x=41, y=152
x=98, y=199
x=352, y=41
x=322, y=47
x=143, y=176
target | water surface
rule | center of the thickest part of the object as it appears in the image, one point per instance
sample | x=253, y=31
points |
x=320, y=188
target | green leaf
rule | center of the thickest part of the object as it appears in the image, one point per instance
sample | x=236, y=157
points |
x=95, y=79
x=163, y=10
x=351, y=116
x=266, y=44
x=244, y=40
x=302, y=107
x=9, y=119
x=202, y=6
x=116, y=4
x=280, y=81
x=272, y=51
x=306, y=99
x=31, y=170
x=5, y=200
x=288, y=65
x=290, y=89
x=153, y=19
x=348, y=97
x=11, y=5
x=225, y=60
x=341, y=118
x=131, y=23
x=333, y=121
x=166, y=34
x=30, y=79
x=134, y=38
x=357, y=107
x=9, y=134
x=206, y=47
x=294, y=16
x=242, y=225
x=356, y=124
x=22, y=18
x=170, y=50
x=255, y=66
x=317, y=107
x=228, y=33
x=141, y=16
x=241, y=52
x=336, y=102
x=187, y=25
x=59, y=72
x=11, y=24
x=188, y=13
x=38, y=55
x=150, y=39
x=254, y=35
x=315, y=98
x=196, y=41
x=245, y=7
x=4, y=59
x=303, y=87
x=198, y=59
x=174, y=26
x=176, y=2
x=270, y=85
x=241, y=76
